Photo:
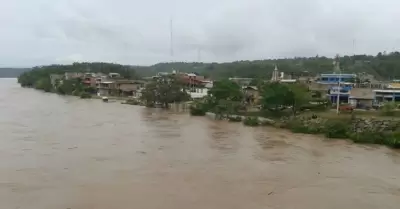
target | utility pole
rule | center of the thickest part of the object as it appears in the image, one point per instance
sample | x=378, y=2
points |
x=337, y=69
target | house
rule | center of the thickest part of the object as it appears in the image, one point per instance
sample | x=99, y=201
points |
x=288, y=81
x=337, y=85
x=197, y=85
x=128, y=87
x=336, y=78
x=100, y=79
x=242, y=81
x=390, y=93
x=342, y=91
x=114, y=75
x=89, y=79
x=107, y=88
x=385, y=95
x=252, y=95
x=361, y=97
x=56, y=79
x=72, y=75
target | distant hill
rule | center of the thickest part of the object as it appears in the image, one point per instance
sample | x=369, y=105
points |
x=383, y=66
x=12, y=72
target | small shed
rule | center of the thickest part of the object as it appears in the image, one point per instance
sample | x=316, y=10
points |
x=361, y=97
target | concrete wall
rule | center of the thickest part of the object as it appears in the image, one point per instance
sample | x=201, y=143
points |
x=362, y=93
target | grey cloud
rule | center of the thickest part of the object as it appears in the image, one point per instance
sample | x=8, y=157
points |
x=137, y=32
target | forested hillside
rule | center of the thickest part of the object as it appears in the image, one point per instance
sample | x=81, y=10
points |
x=382, y=66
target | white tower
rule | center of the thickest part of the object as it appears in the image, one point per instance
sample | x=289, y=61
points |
x=275, y=74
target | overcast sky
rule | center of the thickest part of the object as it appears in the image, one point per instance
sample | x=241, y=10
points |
x=38, y=32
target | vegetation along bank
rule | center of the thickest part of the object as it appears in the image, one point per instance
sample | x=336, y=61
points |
x=294, y=107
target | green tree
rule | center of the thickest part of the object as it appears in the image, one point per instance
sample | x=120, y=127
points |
x=149, y=94
x=298, y=97
x=226, y=90
x=68, y=87
x=389, y=108
x=166, y=90
x=44, y=84
x=275, y=97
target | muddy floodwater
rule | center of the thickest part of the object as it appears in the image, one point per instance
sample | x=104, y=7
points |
x=63, y=152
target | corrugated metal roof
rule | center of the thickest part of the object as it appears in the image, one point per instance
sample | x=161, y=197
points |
x=394, y=85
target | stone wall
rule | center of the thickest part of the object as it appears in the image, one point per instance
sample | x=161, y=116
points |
x=357, y=125
x=374, y=125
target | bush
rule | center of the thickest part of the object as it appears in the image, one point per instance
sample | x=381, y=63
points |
x=337, y=128
x=197, y=111
x=235, y=118
x=297, y=126
x=131, y=102
x=311, y=125
x=90, y=89
x=251, y=121
x=389, y=109
x=77, y=93
x=85, y=95
x=393, y=140
x=368, y=137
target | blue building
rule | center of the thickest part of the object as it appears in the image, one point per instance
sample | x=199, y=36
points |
x=335, y=78
x=346, y=84
x=386, y=95
x=343, y=92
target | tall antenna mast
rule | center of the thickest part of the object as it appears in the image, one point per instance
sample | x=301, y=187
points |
x=198, y=54
x=171, y=39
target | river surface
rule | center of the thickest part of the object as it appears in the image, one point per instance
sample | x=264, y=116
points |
x=63, y=152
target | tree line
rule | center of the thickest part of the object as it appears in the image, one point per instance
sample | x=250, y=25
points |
x=383, y=66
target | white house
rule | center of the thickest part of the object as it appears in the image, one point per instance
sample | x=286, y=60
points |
x=200, y=92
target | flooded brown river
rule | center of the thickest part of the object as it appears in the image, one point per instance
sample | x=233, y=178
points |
x=63, y=152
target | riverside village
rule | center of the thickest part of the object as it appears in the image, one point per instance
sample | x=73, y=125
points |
x=353, y=106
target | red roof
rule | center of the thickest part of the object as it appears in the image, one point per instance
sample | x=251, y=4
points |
x=194, y=80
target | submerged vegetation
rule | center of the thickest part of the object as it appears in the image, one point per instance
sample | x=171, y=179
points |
x=290, y=105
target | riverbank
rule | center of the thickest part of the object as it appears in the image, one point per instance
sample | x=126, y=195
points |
x=349, y=127
x=359, y=128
